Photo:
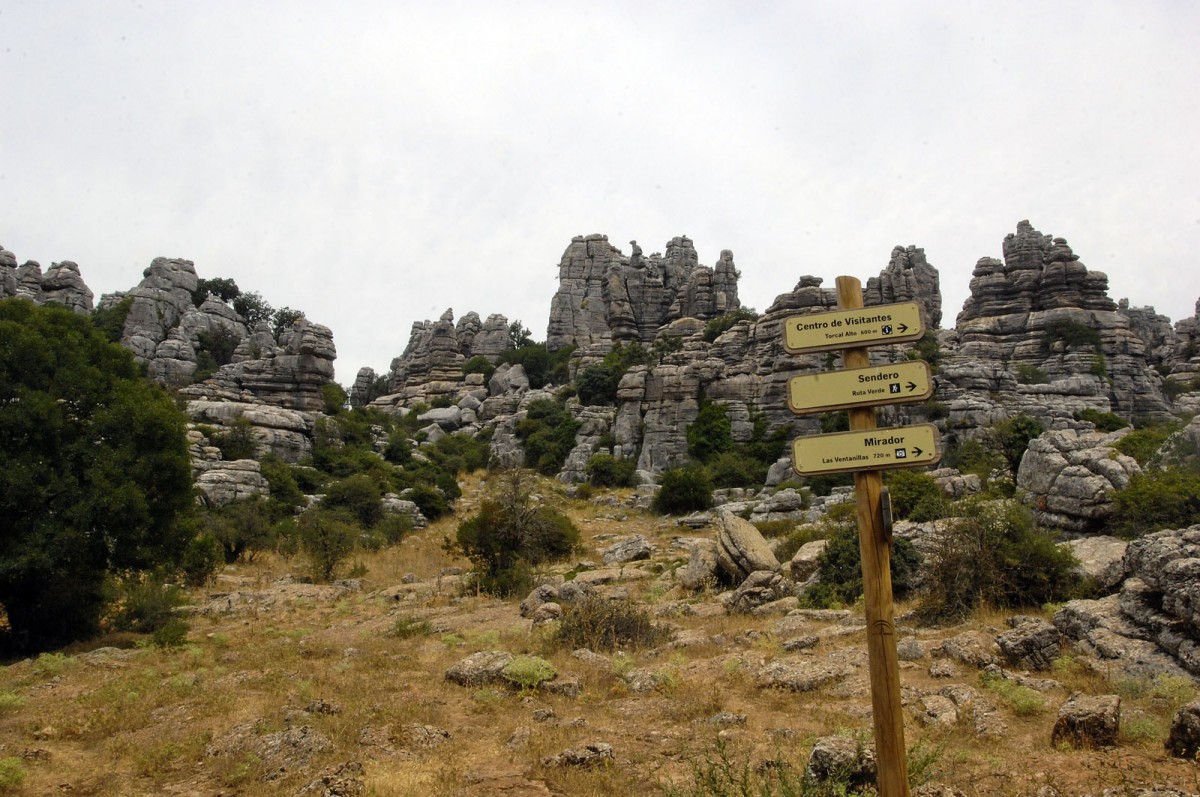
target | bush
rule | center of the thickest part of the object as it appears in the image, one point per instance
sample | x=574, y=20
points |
x=548, y=434
x=145, y=604
x=252, y=308
x=327, y=539
x=479, y=365
x=541, y=366
x=429, y=499
x=359, y=496
x=12, y=773
x=711, y=433
x=510, y=534
x=599, y=623
x=241, y=528
x=237, y=441
x=927, y=349
x=201, y=560
x=334, y=398
x=1155, y=500
x=1031, y=375
x=683, y=490
x=1010, y=439
x=1072, y=334
x=224, y=289
x=605, y=470
x=1144, y=444
x=840, y=566
x=286, y=495
x=994, y=555
x=916, y=496
x=526, y=672
x=734, y=469
x=722, y=324
x=111, y=322
x=1103, y=421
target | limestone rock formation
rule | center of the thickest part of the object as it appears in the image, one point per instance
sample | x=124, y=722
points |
x=431, y=365
x=1040, y=325
x=604, y=297
x=908, y=278
x=1069, y=478
x=61, y=284
x=291, y=378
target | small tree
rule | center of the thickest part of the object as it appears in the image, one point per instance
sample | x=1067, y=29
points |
x=95, y=475
x=326, y=538
x=683, y=490
x=511, y=534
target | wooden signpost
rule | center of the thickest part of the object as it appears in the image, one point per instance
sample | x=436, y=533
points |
x=866, y=450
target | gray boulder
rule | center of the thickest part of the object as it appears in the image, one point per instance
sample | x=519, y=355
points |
x=741, y=548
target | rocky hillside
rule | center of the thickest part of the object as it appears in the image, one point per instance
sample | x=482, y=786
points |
x=1038, y=336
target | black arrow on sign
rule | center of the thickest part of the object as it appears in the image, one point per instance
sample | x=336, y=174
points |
x=903, y=328
x=911, y=386
x=917, y=451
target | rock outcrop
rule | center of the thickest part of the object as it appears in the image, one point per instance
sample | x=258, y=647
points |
x=605, y=298
x=431, y=366
x=1068, y=478
x=1041, y=327
x=61, y=284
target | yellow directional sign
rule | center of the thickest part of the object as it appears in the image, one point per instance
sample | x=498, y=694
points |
x=858, y=387
x=844, y=329
x=876, y=449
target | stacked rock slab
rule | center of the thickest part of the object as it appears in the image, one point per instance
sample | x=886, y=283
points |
x=908, y=278
x=61, y=284
x=1040, y=327
x=605, y=298
x=431, y=366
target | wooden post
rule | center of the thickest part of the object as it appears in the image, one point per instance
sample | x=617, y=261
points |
x=876, y=548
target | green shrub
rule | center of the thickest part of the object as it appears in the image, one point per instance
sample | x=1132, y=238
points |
x=1144, y=444
x=527, y=672
x=734, y=469
x=1072, y=334
x=359, y=496
x=201, y=559
x=1023, y=701
x=683, y=490
x=236, y=441
x=1103, y=421
x=994, y=555
x=840, y=568
x=334, y=398
x=916, y=496
x=223, y=288
x=405, y=627
x=171, y=634
x=242, y=528
x=12, y=773
x=429, y=499
x=111, y=322
x=393, y=528
x=796, y=540
x=285, y=493
x=1031, y=375
x=722, y=324
x=542, y=366
x=479, y=365
x=215, y=348
x=548, y=434
x=510, y=534
x=927, y=349
x=603, y=624
x=597, y=384
x=1157, y=499
x=327, y=539
x=605, y=470
x=145, y=604
x=1010, y=439
x=711, y=433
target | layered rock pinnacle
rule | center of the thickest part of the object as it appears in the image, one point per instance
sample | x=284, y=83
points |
x=605, y=298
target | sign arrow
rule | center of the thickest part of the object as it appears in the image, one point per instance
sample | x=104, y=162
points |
x=911, y=386
x=917, y=451
x=903, y=328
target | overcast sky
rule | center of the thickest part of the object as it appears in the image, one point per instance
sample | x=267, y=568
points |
x=376, y=163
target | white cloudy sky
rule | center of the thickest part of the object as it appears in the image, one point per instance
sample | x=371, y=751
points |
x=377, y=162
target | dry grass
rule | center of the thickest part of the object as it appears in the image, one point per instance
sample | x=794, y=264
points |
x=148, y=721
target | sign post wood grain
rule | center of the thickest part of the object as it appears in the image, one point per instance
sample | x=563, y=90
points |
x=876, y=546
